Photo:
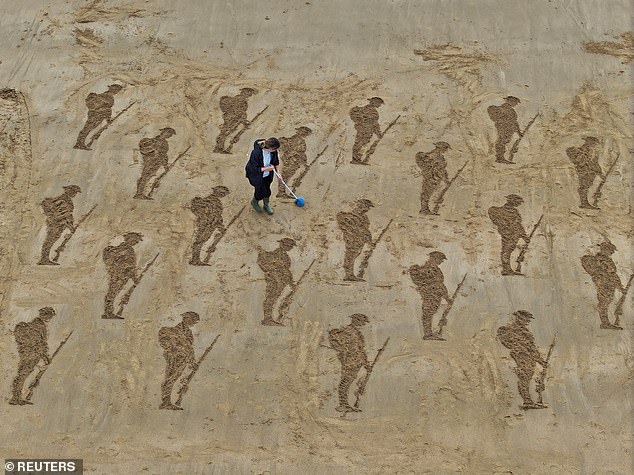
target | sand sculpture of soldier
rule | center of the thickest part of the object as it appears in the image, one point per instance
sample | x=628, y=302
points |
x=154, y=152
x=121, y=266
x=504, y=118
x=208, y=213
x=585, y=158
x=433, y=167
x=276, y=266
x=366, y=124
x=349, y=344
x=99, y=110
x=178, y=349
x=59, y=217
x=602, y=270
x=520, y=341
x=294, y=157
x=32, y=341
x=508, y=222
x=355, y=226
x=234, y=114
x=430, y=283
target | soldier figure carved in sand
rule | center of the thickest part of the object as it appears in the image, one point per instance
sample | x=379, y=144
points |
x=518, y=338
x=178, y=349
x=154, y=152
x=349, y=344
x=59, y=217
x=208, y=212
x=508, y=222
x=99, y=110
x=355, y=227
x=602, y=270
x=234, y=114
x=121, y=266
x=430, y=283
x=585, y=158
x=433, y=167
x=504, y=118
x=276, y=266
x=294, y=157
x=32, y=341
x=366, y=124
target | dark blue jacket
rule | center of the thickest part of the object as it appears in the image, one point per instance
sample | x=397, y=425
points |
x=253, y=168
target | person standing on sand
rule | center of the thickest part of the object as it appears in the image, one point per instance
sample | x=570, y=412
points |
x=260, y=170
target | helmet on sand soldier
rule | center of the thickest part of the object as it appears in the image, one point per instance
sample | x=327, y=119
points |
x=359, y=318
x=438, y=255
x=607, y=246
x=512, y=99
x=591, y=139
x=115, y=88
x=514, y=199
x=72, y=188
x=47, y=312
x=190, y=318
x=376, y=101
x=442, y=145
x=168, y=129
x=220, y=190
x=523, y=314
x=303, y=130
x=287, y=243
x=364, y=203
x=248, y=91
x=133, y=236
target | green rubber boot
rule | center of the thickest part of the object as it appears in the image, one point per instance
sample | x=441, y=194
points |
x=267, y=207
x=256, y=205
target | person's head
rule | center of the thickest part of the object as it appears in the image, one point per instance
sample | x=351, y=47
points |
x=523, y=317
x=190, y=318
x=248, y=92
x=271, y=144
x=376, y=101
x=304, y=131
x=287, y=243
x=364, y=205
x=220, y=191
x=607, y=247
x=114, y=88
x=442, y=146
x=359, y=319
x=72, y=190
x=591, y=140
x=514, y=200
x=132, y=238
x=167, y=132
x=437, y=257
x=47, y=313
x=512, y=100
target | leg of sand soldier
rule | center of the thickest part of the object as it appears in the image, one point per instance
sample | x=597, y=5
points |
x=173, y=370
x=350, y=255
x=93, y=120
x=53, y=233
x=427, y=190
x=147, y=173
x=360, y=141
x=25, y=368
x=605, y=295
x=429, y=308
x=290, y=168
x=349, y=373
x=274, y=289
x=500, y=146
x=299, y=179
x=585, y=182
x=508, y=246
x=525, y=371
x=114, y=287
x=201, y=236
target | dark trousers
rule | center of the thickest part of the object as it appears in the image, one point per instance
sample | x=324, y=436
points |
x=262, y=187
